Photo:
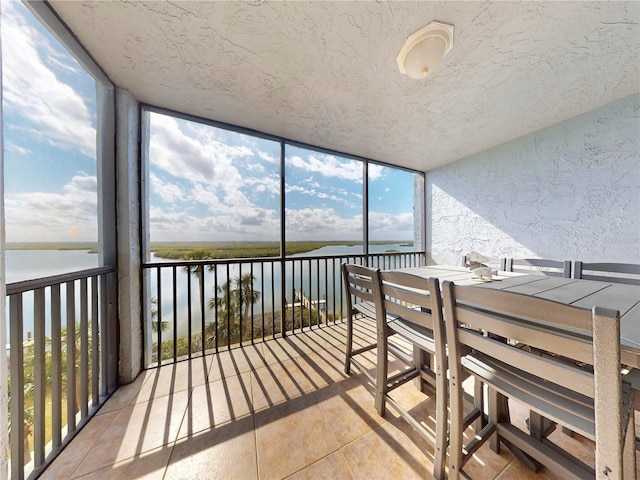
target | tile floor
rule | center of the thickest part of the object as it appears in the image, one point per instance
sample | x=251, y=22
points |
x=279, y=409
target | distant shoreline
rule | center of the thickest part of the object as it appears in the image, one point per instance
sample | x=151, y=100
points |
x=208, y=250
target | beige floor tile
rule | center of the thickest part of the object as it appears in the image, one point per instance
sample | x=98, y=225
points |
x=332, y=467
x=485, y=463
x=224, y=452
x=175, y=378
x=66, y=463
x=348, y=407
x=137, y=429
x=291, y=436
x=323, y=367
x=325, y=336
x=300, y=417
x=388, y=452
x=282, y=349
x=216, y=403
x=518, y=471
x=232, y=362
x=126, y=395
x=150, y=465
x=274, y=384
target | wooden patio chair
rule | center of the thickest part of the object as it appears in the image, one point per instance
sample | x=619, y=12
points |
x=593, y=402
x=608, y=272
x=540, y=266
x=411, y=307
x=627, y=273
x=360, y=305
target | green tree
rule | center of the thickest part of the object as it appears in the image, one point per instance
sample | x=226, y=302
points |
x=164, y=324
x=247, y=295
x=198, y=270
x=232, y=295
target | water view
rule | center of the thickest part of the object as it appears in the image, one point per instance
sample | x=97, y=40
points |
x=30, y=264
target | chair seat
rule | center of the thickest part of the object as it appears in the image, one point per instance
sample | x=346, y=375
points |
x=366, y=308
x=553, y=401
x=417, y=335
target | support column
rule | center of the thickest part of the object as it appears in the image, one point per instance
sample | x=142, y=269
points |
x=128, y=228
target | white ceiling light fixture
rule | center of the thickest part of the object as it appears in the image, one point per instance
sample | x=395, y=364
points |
x=423, y=50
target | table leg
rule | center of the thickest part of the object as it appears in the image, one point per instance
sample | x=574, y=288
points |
x=499, y=412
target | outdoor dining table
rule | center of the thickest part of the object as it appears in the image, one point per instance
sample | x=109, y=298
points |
x=571, y=291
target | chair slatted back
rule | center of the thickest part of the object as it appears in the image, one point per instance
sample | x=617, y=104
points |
x=589, y=399
x=540, y=266
x=410, y=297
x=358, y=283
x=628, y=273
x=479, y=316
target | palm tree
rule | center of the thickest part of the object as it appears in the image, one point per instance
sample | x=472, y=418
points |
x=247, y=295
x=231, y=295
x=164, y=324
x=198, y=270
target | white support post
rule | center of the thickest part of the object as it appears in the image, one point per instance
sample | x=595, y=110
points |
x=128, y=221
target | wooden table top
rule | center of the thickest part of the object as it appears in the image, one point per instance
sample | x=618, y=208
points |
x=580, y=293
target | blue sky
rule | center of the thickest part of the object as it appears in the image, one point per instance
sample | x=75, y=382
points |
x=49, y=135
x=206, y=184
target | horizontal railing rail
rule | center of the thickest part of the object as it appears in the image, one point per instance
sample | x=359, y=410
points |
x=192, y=308
x=63, y=361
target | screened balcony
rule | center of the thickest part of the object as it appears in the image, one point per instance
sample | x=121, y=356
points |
x=266, y=116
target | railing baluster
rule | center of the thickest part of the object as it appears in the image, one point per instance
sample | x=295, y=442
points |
x=17, y=391
x=104, y=340
x=240, y=300
x=84, y=349
x=273, y=302
x=215, y=296
x=251, y=293
x=159, y=311
x=202, y=318
x=39, y=378
x=228, y=300
x=95, y=348
x=263, y=295
x=71, y=357
x=189, y=308
x=56, y=367
x=175, y=313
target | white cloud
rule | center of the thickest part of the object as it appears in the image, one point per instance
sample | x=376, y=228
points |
x=36, y=93
x=344, y=199
x=376, y=172
x=322, y=224
x=268, y=157
x=199, y=159
x=385, y=226
x=169, y=192
x=260, y=224
x=45, y=216
x=10, y=146
x=329, y=166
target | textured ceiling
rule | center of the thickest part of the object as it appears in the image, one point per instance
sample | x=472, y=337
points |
x=325, y=73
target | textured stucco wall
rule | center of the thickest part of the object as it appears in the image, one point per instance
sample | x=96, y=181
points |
x=567, y=192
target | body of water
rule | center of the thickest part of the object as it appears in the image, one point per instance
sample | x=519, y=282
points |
x=30, y=264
